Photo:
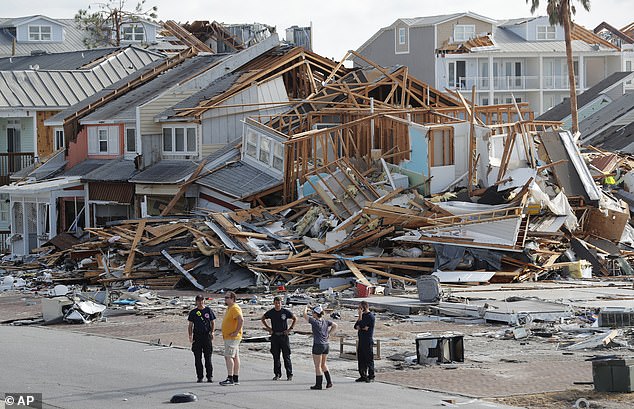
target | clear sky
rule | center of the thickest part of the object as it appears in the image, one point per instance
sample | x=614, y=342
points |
x=338, y=25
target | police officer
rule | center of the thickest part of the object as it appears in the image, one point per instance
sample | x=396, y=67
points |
x=279, y=331
x=365, y=353
x=201, y=333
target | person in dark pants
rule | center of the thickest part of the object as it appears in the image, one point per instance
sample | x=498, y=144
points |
x=365, y=352
x=201, y=334
x=280, y=342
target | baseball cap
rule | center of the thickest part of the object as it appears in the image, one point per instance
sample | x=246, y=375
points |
x=318, y=309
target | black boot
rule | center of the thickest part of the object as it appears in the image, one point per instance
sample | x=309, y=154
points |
x=328, y=380
x=318, y=381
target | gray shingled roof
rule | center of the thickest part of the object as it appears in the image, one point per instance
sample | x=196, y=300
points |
x=618, y=138
x=239, y=180
x=166, y=171
x=85, y=167
x=217, y=87
x=60, y=89
x=119, y=170
x=72, y=60
x=562, y=110
x=607, y=115
x=124, y=107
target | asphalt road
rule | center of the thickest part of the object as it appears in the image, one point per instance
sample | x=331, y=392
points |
x=74, y=370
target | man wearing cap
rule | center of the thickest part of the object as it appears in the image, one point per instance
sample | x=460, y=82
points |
x=279, y=331
x=201, y=333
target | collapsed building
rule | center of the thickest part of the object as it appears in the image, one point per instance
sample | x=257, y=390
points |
x=275, y=166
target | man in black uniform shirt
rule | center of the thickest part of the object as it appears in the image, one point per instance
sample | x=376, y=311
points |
x=365, y=352
x=201, y=333
x=279, y=331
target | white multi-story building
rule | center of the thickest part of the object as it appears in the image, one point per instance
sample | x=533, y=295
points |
x=523, y=58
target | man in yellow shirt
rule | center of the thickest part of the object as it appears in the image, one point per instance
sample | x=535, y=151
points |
x=232, y=335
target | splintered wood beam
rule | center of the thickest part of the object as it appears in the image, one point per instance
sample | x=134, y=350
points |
x=384, y=274
x=137, y=237
x=357, y=273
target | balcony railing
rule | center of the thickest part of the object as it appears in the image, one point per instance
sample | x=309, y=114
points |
x=558, y=82
x=499, y=83
x=12, y=162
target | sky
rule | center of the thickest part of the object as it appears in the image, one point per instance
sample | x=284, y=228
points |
x=338, y=25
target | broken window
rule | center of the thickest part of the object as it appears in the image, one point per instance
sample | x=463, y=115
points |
x=278, y=156
x=265, y=150
x=441, y=147
x=252, y=144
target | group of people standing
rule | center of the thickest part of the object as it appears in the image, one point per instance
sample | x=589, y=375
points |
x=201, y=334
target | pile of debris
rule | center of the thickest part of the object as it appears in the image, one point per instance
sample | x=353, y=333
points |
x=359, y=221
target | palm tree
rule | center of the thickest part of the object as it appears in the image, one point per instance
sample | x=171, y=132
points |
x=559, y=12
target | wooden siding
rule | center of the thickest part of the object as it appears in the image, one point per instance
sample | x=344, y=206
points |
x=444, y=31
x=45, y=134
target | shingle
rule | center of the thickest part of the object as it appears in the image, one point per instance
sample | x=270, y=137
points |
x=239, y=180
x=166, y=171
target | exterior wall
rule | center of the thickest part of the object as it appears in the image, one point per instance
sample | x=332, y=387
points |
x=531, y=29
x=159, y=104
x=27, y=139
x=444, y=31
x=115, y=136
x=78, y=150
x=420, y=58
x=57, y=31
x=597, y=68
x=45, y=134
x=223, y=125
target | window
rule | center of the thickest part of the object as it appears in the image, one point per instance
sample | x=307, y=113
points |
x=252, y=144
x=401, y=35
x=484, y=101
x=441, y=149
x=179, y=140
x=134, y=33
x=4, y=207
x=546, y=32
x=265, y=150
x=59, y=138
x=278, y=156
x=463, y=32
x=103, y=140
x=130, y=140
x=40, y=33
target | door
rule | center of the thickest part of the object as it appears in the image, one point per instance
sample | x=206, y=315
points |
x=13, y=146
x=456, y=73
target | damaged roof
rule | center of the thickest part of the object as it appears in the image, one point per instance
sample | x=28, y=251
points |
x=562, y=110
x=124, y=107
x=616, y=113
x=214, y=89
x=166, y=171
x=239, y=180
